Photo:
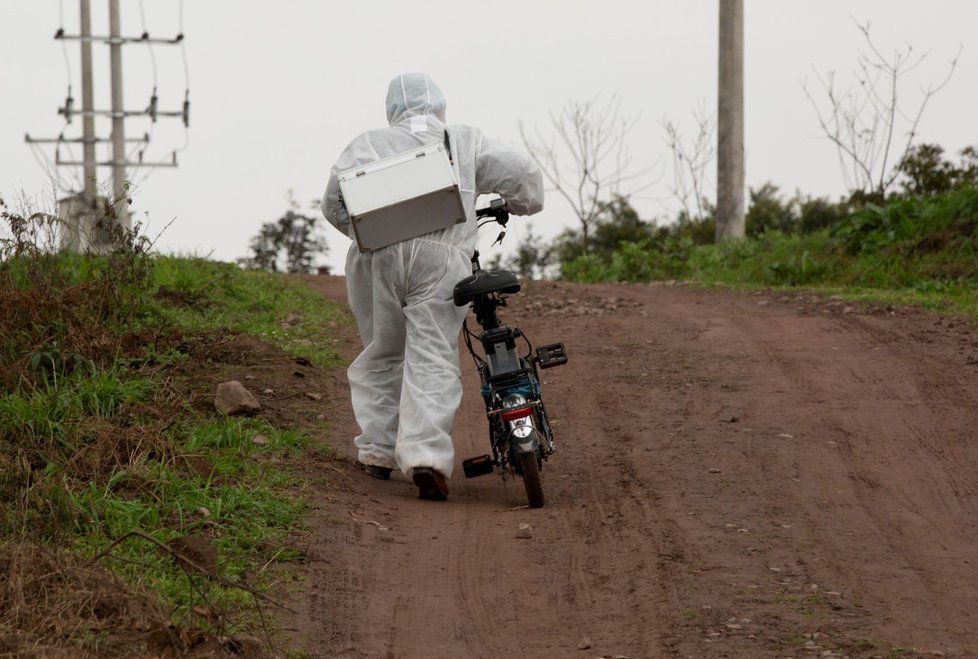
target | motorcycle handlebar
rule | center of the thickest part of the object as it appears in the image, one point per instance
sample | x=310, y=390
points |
x=496, y=210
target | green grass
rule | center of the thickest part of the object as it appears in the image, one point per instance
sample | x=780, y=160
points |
x=94, y=444
x=244, y=504
x=243, y=507
x=222, y=296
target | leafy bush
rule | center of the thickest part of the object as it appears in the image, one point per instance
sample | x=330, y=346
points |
x=915, y=224
x=797, y=271
x=585, y=269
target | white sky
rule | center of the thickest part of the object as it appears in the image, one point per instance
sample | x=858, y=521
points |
x=279, y=89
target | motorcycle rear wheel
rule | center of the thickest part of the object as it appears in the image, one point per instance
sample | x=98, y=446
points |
x=531, y=479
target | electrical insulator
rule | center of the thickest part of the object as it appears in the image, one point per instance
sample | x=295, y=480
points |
x=67, y=110
x=186, y=109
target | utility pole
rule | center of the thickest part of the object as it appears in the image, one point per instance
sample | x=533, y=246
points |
x=93, y=223
x=119, y=197
x=730, y=122
x=88, y=119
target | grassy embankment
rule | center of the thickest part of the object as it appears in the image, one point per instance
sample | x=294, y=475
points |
x=96, y=442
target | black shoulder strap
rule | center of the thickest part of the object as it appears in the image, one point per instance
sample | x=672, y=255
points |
x=448, y=147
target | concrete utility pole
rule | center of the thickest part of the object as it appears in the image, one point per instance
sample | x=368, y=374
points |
x=88, y=119
x=730, y=122
x=89, y=223
x=119, y=200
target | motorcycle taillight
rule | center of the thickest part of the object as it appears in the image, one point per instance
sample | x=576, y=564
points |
x=514, y=413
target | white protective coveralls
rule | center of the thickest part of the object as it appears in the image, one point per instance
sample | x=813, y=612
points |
x=406, y=383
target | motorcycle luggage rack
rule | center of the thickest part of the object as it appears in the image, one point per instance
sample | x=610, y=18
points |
x=510, y=379
x=551, y=355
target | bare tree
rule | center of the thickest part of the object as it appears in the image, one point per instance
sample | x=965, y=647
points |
x=869, y=122
x=588, y=162
x=690, y=162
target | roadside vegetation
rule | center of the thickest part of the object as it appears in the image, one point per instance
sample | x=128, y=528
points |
x=134, y=519
x=918, y=246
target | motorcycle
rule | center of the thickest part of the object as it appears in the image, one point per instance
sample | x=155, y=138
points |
x=520, y=434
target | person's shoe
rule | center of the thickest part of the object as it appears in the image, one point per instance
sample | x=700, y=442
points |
x=432, y=486
x=383, y=473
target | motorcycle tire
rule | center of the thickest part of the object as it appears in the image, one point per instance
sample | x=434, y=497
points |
x=530, y=468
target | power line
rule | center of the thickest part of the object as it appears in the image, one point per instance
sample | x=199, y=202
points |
x=120, y=159
x=152, y=110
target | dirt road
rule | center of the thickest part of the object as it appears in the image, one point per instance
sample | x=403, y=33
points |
x=736, y=476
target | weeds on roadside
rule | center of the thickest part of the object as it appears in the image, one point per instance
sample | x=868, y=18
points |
x=921, y=251
x=95, y=446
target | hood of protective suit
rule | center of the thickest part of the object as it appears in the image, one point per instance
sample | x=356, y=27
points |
x=413, y=94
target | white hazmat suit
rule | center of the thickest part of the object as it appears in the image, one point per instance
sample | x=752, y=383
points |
x=406, y=384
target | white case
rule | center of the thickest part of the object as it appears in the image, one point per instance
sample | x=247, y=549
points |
x=401, y=197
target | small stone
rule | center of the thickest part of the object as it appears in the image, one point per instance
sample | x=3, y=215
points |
x=268, y=392
x=259, y=439
x=203, y=512
x=848, y=310
x=233, y=399
x=312, y=395
x=785, y=435
x=585, y=643
x=526, y=531
x=251, y=377
x=714, y=470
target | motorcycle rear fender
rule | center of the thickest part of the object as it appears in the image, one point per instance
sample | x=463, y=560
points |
x=528, y=444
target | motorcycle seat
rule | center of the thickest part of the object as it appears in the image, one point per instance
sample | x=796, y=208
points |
x=484, y=282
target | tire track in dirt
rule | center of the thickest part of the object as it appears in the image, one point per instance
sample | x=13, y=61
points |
x=736, y=476
x=906, y=521
x=893, y=569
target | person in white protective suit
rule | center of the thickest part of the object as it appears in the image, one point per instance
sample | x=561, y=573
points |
x=406, y=383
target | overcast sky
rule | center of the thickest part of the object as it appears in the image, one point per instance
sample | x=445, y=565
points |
x=279, y=89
